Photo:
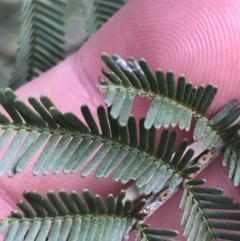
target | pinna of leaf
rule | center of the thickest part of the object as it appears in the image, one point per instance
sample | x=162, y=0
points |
x=120, y=145
x=71, y=217
x=68, y=143
x=42, y=43
x=201, y=221
x=169, y=106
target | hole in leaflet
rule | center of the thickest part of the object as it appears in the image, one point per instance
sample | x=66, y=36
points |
x=203, y=159
x=163, y=196
x=211, y=153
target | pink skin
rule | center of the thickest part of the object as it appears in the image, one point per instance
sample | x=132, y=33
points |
x=198, y=38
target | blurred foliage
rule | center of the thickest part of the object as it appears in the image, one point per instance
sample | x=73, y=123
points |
x=76, y=20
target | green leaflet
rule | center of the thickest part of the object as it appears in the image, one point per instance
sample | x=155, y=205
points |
x=212, y=133
x=41, y=44
x=170, y=105
x=221, y=130
x=71, y=217
x=70, y=145
x=146, y=233
x=200, y=218
x=232, y=157
x=99, y=12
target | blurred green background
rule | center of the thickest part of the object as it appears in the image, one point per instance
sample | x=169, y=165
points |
x=75, y=20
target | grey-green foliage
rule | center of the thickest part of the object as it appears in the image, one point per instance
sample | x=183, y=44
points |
x=146, y=233
x=68, y=216
x=41, y=37
x=41, y=42
x=98, y=12
x=232, y=157
x=69, y=145
x=222, y=130
x=127, y=148
x=170, y=105
x=206, y=210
